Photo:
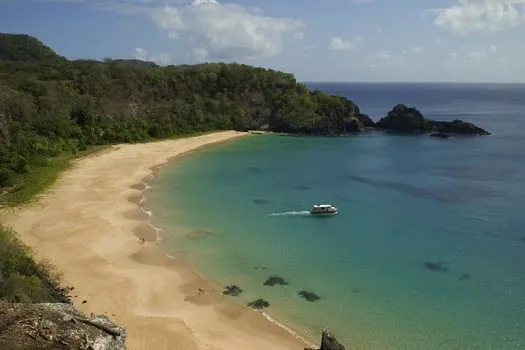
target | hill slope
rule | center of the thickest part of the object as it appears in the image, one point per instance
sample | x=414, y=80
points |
x=51, y=107
x=25, y=48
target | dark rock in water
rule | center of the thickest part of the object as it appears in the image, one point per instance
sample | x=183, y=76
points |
x=260, y=267
x=464, y=277
x=440, y=135
x=329, y=342
x=232, y=290
x=460, y=127
x=309, y=296
x=261, y=201
x=408, y=119
x=436, y=266
x=302, y=187
x=275, y=280
x=258, y=304
x=356, y=291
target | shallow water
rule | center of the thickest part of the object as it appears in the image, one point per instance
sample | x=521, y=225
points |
x=428, y=251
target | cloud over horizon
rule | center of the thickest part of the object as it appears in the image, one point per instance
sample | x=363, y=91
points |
x=363, y=40
x=228, y=31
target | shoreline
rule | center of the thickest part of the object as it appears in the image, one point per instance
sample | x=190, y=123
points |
x=87, y=226
x=152, y=234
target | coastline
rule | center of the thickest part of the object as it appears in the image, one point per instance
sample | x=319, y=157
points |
x=88, y=225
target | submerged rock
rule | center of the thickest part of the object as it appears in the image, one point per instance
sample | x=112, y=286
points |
x=436, y=266
x=309, y=296
x=260, y=201
x=329, y=342
x=232, y=290
x=275, y=280
x=258, y=304
x=56, y=326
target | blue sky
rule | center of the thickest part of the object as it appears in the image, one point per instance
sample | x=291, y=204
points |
x=330, y=40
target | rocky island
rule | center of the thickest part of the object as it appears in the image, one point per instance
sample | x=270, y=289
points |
x=406, y=119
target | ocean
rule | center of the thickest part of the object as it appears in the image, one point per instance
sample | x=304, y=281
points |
x=427, y=252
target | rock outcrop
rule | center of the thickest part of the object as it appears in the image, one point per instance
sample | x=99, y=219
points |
x=408, y=119
x=329, y=342
x=56, y=326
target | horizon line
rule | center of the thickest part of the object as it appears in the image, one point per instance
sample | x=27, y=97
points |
x=411, y=82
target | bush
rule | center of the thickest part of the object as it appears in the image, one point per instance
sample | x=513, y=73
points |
x=6, y=178
x=22, y=279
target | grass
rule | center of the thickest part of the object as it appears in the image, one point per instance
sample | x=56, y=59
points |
x=40, y=179
x=22, y=279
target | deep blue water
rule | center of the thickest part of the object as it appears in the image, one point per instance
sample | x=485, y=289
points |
x=405, y=202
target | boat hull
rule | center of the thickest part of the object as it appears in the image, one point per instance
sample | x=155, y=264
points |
x=324, y=214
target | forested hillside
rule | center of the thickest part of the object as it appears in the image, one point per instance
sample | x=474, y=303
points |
x=51, y=107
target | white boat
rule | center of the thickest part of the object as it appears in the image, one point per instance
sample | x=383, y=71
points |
x=323, y=209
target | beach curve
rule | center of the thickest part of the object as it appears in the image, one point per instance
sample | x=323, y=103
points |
x=87, y=226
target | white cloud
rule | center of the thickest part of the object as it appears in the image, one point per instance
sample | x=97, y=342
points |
x=453, y=55
x=160, y=58
x=480, y=15
x=379, y=30
x=416, y=49
x=338, y=43
x=228, y=31
x=483, y=54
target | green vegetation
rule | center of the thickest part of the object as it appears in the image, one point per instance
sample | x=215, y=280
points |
x=22, y=279
x=52, y=109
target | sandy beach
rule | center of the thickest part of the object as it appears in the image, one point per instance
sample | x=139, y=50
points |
x=88, y=226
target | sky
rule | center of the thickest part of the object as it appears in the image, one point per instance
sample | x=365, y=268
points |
x=329, y=40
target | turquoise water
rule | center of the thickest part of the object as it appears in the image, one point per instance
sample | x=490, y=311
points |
x=404, y=201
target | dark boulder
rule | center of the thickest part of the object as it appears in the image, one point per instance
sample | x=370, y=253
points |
x=232, y=290
x=275, y=280
x=258, y=304
x=329, y=342
x=460, y=127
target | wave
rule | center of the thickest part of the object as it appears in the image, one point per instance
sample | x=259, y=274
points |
x=291, y=213
x=289, y=330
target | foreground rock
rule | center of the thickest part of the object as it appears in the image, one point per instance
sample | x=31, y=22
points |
x=258, y=304
x=408, y=119
x=232, y=290
x=56, y=326
x=329, y=342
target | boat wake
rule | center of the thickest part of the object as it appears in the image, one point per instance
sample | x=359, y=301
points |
x=292, y=213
